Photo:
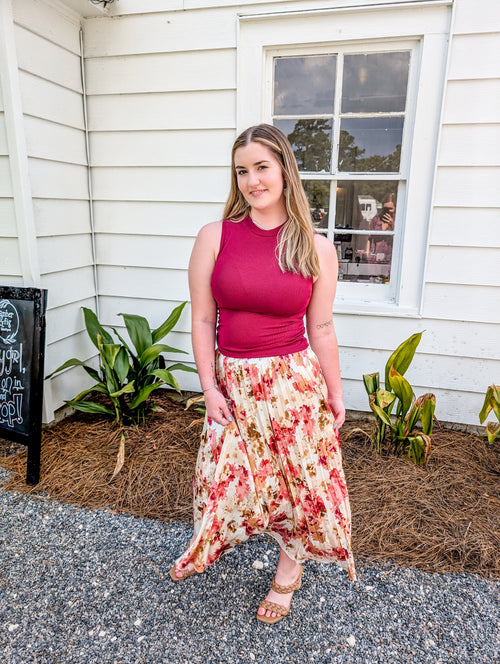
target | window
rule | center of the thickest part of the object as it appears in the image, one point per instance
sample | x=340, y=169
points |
x=344, y=114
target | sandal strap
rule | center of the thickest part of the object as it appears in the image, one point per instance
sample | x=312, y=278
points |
x=287, y=589
x=275, y=608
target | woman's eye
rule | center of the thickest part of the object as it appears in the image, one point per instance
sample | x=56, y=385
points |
x=261, y=168
x=240, y=172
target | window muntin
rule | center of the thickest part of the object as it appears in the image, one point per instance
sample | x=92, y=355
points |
x=361, y=134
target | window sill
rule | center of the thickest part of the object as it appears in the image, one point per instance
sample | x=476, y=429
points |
x=389, y=309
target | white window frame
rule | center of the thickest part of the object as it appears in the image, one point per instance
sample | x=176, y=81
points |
x=423, y=29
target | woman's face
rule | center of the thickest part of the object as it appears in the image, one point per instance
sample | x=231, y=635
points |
x=260, y=178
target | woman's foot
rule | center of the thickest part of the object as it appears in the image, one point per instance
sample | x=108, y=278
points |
x=178, y=575
x=287, y=574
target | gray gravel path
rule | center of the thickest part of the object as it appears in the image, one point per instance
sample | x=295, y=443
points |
x=80, y=586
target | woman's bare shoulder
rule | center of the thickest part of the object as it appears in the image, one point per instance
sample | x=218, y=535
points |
x=323, y=246
x=210, y=233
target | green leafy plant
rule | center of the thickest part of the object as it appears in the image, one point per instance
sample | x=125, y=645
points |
x=491, y=403
x=398, y=393
x=127, y=375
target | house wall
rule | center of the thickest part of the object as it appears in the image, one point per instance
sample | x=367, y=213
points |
x=162, y=100
x=47, y=43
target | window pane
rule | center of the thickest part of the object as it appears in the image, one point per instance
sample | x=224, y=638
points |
x=311, y=142
x=362, y=207
x=370, y=144
x=375, y=83
x=318, y=193
x=304, y=85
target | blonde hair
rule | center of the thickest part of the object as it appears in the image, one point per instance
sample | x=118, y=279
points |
x=296, y=251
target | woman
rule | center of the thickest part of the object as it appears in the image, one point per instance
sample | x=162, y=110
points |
x=270, y=459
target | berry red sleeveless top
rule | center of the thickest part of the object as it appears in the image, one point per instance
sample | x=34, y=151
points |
x=261, y=309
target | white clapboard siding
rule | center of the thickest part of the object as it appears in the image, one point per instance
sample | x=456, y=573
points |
x=472, y=101
x=61, y=217
x=10, y=260
x=69, y=286
x=47, y=21
x=144, y=251
x=465, y=227
x=464, y=265
x=471, y=17
x=463, y=66
x=7, y=218
x=457, y=302
x=44, y=99
x=470, y=145
x=67, y=320
x=47, y=60
x=143, y=283
x=154, y=217
x=68, y=384
x=155, y=311
x=64, y=252
x=4, y=149
x=77, y=345
x=171, y=110
x=158, y=184
x=52, y=179
x=461, y=186
x=156, y=33
x=5, y=178
x=50, y=140
x=439, y=337
x=162, y=148
x=162, y=72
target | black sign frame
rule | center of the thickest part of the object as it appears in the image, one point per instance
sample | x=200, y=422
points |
x=31, y=434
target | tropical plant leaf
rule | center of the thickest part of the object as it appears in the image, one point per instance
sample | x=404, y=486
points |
x=94, y=328
x=120, y=459
x=379, y=412
x=143, y=394
x=76, y=363
x=193, y=400
x=413, y=417
x=109, y=353
x=371, y=382
x=100, y=387
x=139, y=331
x=383, y=398
x=492, y=431
x=181, y=367
x=122, y=365
x=129, y=388
x=169, y=324
x=487, y=406
x=402, y=389
x=419, y=448
x=165, y=376
x=401, y=358
x=152, y=353
x=428, y=403
x=90, y=407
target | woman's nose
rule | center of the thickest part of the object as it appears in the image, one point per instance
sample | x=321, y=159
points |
x=253, y=178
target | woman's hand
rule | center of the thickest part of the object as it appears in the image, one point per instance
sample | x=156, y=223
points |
x=338, y=409
x=217, y=408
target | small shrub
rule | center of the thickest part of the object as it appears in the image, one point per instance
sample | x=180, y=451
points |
x=405, y=437
x=491, y=403
x=127, y=376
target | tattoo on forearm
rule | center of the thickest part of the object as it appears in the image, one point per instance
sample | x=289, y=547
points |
x=325, y=324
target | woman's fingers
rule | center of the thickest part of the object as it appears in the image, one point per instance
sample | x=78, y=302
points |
x=217, y=408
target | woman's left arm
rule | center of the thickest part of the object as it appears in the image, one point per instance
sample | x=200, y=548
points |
x=320, y=328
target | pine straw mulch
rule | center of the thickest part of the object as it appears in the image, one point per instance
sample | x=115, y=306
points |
x=440, y=518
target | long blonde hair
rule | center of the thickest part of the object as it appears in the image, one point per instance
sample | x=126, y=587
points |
x=296, y=251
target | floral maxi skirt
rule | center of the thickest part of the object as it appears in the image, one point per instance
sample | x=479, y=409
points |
x=275, y=469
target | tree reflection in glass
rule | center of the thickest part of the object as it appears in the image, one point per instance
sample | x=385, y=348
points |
x=318, y=193
x=311, y=141
x=370, y=144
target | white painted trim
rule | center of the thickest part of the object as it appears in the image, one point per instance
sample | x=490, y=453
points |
x=18, y=160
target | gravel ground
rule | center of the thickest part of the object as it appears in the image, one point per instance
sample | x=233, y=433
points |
x=80, y=586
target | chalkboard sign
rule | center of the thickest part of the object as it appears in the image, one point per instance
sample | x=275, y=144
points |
x=22, y=345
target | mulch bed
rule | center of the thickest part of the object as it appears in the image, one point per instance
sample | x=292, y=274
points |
x=440, y=518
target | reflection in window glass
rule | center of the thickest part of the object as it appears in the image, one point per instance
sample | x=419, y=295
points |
x=361, y=208
x=318, y=193
x=304, y=85
x=311, y=142
x=370, y=144
x=375, y=82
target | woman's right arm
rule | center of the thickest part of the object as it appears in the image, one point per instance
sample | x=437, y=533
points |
x=204, y=318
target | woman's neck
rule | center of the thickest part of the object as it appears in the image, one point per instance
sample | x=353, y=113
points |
x=269, y=220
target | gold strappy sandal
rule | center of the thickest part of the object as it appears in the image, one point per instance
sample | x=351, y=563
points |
x=185, y=573
x=278, y=608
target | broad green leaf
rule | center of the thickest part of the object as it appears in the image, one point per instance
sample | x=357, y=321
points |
x=371, y=382
x=77, y=363
x=122, y=365
x=181, y=367
x=167, y=378
x=109, y=353
x=487, y=405
x=492, y=430
x=402, y=389
x=169, y=324
x=100, y=387
x=152, y=353
x=402, y=357
x=413, y=417
x=419, y=448
x=139, y=331
x=90, y=407
x=94, y=328
x=126, y=389
x=496, y=393
x=383, y=398
x=144, y=394
x=379, y=412
x=428, y=407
